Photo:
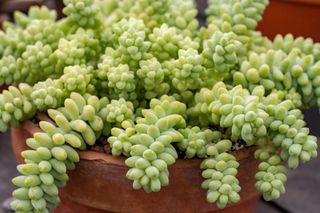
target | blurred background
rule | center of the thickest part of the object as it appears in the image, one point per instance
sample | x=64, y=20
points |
x=303, y=185
x=7, y=7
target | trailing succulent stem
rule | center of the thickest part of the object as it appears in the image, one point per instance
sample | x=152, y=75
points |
x=53, y=152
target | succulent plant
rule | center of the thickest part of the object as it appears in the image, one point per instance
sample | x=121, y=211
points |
x=144, y=78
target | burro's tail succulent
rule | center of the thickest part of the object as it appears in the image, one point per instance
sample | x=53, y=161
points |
x=151, y=143
x=139, y=76
x=53, y=152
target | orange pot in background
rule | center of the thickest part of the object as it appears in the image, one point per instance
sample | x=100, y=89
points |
x=99, y=184
x=298, y=17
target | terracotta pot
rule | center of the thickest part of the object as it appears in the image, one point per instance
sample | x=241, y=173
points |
x=299, y=17
x=99, y=184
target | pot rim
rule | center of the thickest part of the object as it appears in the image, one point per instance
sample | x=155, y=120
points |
x=104, y=158
x=303, y=2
